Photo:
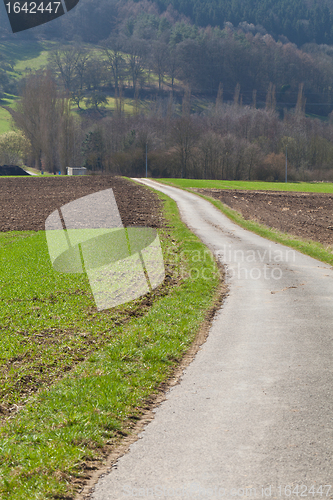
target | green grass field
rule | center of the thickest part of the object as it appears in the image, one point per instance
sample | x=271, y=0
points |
x=5, y=121
x=129, y=106
x=92, y=371
x=23, y=55
x=305, y=187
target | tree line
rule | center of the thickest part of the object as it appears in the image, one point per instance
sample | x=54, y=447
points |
x=301, y=22
x=205, y=60
x=298, y=21
x=225, y=141
x=135, y=45
x=253, y=94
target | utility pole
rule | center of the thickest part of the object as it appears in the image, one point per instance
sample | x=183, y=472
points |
x=146, y=161
x=286, y=180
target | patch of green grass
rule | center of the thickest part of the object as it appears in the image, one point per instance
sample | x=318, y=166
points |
x=38, y=173
x=5, y=121
x=33, y=64
x=115, y=358
x=306, y=187
x=46, y=174
x=19, y=51
x=318, y=117
x=129, y=106
x=25, y=56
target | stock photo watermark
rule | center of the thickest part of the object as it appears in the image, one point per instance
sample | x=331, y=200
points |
x=241, y=264
x=195, y=490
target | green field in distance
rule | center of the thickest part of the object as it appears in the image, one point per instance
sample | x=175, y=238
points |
x=305, y=187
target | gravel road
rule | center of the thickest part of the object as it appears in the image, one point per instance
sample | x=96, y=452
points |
x=253, y=414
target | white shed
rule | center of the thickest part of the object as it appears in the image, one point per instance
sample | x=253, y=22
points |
x=76, y=170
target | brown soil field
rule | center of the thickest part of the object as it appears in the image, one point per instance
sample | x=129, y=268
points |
x=305, y=215
x=26, y=202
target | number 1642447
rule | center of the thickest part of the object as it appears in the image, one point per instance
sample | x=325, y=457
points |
x=303, y=491
x=33, y=7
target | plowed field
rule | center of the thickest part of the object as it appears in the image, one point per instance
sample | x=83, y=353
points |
x=26, y=202
x=306, y=215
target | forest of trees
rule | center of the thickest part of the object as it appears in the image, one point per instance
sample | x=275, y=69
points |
x=177, y=53
x=162, y=39
x=227, y=141
x=166, y=43
x=299, y=21
x=220, y=103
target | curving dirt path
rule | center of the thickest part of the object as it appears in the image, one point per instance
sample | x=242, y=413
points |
x=252, y=416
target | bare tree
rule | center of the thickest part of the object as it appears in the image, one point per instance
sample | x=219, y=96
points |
x=253, y=158
x=219, y=98
x=69, y=63
x=301, y=101
x=77, y=96
x=81, y=68
x=271, y=98
x=211, y=155
x=113, y=49
x=137, y=55
x=236, y=94
x=160, y=61
x=173, y=65
x=44, y=117
x=69, y=137
x=228, y=145
x=95, y=73
x=28, y=115
x=184, y=135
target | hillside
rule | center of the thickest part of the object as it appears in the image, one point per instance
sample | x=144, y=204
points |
x=143, y=77
x=299, y=21
x=163, y=46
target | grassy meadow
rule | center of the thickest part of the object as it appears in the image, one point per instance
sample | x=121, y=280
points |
x=303, y=187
